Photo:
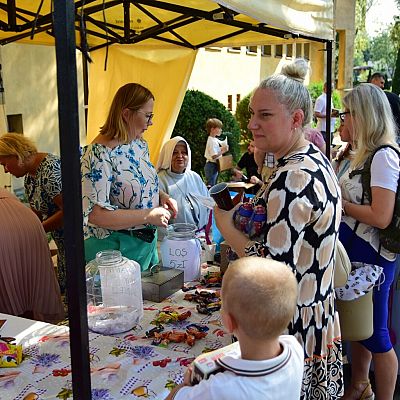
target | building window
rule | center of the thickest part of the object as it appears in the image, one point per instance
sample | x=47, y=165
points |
x=213, y=48
x=307, y=51
x=266, y=50
x=14, y=122
x=252, y=50
x=233, y=49
x=299, y=52
x=278, y=50
x=229, y=102
x=289, y=50
x=238, y=98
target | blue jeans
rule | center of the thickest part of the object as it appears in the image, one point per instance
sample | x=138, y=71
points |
x=211, y=172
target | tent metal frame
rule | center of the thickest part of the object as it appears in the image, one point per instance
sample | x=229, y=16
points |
x=114, y=34
x=62, y=24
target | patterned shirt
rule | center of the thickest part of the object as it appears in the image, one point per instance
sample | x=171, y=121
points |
x=118, y=178
x=44, y=186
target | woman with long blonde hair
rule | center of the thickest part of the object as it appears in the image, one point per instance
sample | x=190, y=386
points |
x=368, y=119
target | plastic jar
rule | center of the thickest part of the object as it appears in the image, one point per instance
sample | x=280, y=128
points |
x=181, y=249
x=114, y=293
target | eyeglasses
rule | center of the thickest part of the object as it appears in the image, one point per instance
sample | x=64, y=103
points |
x=342, y=114
x=148, y=116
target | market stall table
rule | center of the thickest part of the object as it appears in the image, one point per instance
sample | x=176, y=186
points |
x=127, y=365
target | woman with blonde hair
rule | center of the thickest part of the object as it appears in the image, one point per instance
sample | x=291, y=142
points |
x=302, y=207
x=369, y=121
x=42, y=171
x=122, y=202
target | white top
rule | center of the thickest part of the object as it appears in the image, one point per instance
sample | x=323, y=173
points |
x=212, y=148
x=277, y=378
x=320, y=106
x=385, y=174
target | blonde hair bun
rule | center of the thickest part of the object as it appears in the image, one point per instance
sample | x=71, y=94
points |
x=296, y=70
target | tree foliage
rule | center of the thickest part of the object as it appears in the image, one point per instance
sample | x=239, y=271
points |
x=395, y=37
x=383, y=53
x=242, y=116
x=196, y=108
x=361, y=36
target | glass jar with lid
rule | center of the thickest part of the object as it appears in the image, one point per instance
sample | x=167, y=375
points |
x=114, y=293
x=181, y=249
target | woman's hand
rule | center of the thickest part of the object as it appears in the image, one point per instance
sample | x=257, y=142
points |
x=236, y=239
x=169, y=204
x=255, y=180
x=55, y=221
x=158, y=216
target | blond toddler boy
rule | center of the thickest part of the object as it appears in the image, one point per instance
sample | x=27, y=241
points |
x=259, y=298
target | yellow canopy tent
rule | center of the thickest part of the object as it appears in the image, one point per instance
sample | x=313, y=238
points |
x=155, y=42
x=158, y=41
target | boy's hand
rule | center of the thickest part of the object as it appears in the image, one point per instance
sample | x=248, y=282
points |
x=187, y=377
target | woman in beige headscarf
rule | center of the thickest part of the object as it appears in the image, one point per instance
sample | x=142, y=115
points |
x=181, y=183
x=28, y=283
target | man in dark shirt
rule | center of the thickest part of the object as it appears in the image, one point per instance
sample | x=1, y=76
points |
x=248, y=163
x=394, y=101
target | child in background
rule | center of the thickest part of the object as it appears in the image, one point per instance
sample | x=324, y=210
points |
x=214, y=149
x=259, y=297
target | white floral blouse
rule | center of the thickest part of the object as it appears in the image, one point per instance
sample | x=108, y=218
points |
x=118, y=178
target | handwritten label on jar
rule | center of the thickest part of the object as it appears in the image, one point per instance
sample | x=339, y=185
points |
x=184, y=255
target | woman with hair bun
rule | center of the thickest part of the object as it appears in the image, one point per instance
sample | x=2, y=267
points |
x=302, y=206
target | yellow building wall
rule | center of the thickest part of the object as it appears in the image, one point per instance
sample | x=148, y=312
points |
x=30, y=89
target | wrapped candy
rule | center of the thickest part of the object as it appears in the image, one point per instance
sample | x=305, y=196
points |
x=10, y=354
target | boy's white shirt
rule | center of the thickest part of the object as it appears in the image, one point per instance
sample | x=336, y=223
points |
x=277, y=378
x=213, y=147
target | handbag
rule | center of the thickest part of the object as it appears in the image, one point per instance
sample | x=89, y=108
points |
x=342, y=266
x=354, y=302
x=225, y=162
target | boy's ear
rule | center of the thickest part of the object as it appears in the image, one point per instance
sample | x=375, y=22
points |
x=229, y=322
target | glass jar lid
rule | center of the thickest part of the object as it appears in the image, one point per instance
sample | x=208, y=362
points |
x=108, y=257
x=181, y=231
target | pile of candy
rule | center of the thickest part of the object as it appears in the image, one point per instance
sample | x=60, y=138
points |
x=166, y=317
x=193, y=332
x=212, y=279
x=209, y=301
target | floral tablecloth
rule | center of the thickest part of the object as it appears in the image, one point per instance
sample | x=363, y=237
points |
x=126, y=366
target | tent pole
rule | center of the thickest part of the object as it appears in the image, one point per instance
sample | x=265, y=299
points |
x=12, y=16
x=328, y=97
x=85, y=77
x=67, y=88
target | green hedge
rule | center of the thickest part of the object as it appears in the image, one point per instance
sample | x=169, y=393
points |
x=242, y=116
x=196, y=108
